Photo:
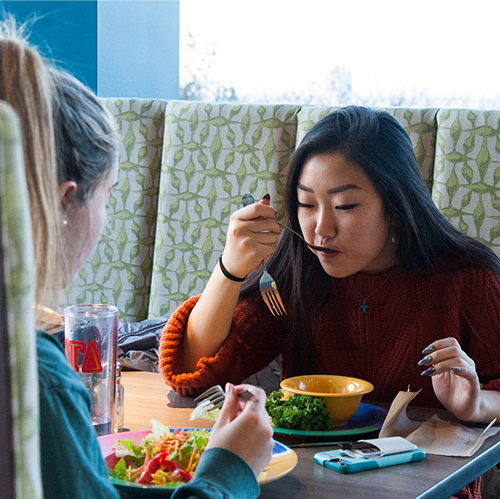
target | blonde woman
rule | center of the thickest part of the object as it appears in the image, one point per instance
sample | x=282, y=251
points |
x=70, y=153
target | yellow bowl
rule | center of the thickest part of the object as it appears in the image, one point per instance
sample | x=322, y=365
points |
x=342, y=394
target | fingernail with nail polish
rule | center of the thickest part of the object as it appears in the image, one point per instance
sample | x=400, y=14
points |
x=425, y=361
x=267, y=196
x=428, y=349
x=455, y=369
x=429, y=371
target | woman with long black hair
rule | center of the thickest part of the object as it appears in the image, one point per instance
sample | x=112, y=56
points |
x=404, y=298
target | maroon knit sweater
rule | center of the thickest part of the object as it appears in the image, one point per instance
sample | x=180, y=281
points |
x=383, y=345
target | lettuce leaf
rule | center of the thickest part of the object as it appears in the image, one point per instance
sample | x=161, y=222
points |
x=120, y=470
x=127, y=448
x=159, y=429
x=299, y=412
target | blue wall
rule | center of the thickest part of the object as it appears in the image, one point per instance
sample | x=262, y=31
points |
x=138, y=49
x=64, y=31
x=118, y=48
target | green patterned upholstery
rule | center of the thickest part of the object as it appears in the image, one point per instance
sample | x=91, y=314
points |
x=467, y=172
x=213, y=153
x=119, y=270
x=17, y=318
x=420, y=124
x=465, y=188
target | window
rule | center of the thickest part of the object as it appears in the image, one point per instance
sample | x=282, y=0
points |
x=386, y=53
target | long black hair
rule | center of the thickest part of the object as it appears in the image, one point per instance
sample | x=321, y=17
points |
x=427, y=243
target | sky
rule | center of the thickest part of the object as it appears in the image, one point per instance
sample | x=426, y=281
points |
x=441, y=48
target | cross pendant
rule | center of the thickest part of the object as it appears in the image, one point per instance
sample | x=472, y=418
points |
x=364, y=306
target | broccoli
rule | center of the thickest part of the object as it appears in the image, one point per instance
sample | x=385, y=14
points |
x=298, y=412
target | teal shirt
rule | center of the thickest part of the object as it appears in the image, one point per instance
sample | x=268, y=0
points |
x=72, y=463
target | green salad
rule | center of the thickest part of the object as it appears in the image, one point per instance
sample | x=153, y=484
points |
x=298, y=412
x=164, y=457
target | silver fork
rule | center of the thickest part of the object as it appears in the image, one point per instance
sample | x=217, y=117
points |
x=214, y=397
x=268, y=288
x=270, y=293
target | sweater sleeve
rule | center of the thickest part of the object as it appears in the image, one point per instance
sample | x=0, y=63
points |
x=220, y=474
x=254, y=340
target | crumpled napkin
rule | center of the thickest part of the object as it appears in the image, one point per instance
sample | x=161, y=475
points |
x=435, y=436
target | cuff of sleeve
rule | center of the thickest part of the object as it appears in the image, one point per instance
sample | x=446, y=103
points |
x=222, y=474
x=185, y=384
x=171, y=346
x=209, y=371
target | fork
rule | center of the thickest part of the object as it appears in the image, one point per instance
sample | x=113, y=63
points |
x=268, y=288
x=270, y=293
x=312, y=246
x=214, y=397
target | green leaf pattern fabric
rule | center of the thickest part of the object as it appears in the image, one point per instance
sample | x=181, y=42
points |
x=420, y=124
x=19, y=272
x=213, y=153
x=467, y=172
x=119, y=270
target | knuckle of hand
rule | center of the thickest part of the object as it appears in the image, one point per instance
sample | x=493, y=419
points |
x=236, y=230
x=234, y=216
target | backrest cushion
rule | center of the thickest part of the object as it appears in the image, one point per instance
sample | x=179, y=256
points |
x=18, y=324
x=213, y=154
x=467, y=172
x=119, y=270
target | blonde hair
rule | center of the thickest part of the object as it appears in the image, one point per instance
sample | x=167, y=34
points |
x=26, y=85
x=67, y=135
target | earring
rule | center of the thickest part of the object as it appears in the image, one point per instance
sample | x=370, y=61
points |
x=394, y=238
x=395, y=227
x=65, y=222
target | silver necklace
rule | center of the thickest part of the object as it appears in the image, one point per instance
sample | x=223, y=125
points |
x=364, y=306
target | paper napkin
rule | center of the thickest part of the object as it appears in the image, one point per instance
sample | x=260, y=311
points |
x=435, y=436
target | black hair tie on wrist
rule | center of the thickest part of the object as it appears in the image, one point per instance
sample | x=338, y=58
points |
x=228, y=274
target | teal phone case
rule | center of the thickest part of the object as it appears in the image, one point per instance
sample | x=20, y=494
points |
x=335, y=460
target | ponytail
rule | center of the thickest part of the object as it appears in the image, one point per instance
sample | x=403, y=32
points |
x=26, y=85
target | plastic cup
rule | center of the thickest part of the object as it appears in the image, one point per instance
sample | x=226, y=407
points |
x=91, y=337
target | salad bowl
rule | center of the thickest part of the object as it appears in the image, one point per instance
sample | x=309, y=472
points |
x=342, y=394
x=282, y=462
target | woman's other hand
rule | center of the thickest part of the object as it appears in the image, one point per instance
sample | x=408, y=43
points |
x=251, y=237
x=454, y=378
x=244, y=427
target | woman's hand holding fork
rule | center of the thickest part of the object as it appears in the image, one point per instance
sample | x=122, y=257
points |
x=251, y=237
x=243, y=427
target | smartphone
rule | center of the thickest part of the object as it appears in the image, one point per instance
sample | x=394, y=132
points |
x=369, y=455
